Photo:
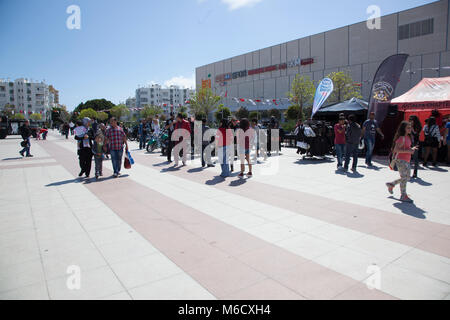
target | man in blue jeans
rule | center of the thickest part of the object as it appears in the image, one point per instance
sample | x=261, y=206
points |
x=116, y=139
x=352, y=138
x=369, y=132
x=143, y=132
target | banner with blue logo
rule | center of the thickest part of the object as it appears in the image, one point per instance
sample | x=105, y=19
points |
x=323, y=91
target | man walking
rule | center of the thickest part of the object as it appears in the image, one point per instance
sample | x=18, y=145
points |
x=205, y=144
x=170, y=127
x=116, y=138
x=25, y=132
x=369, y=132
x=339, y=140
x=352, y=136
x=142, y=131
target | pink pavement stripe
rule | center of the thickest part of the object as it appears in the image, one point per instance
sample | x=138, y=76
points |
x=34, y=165
x=228, y=262
x=425, y=235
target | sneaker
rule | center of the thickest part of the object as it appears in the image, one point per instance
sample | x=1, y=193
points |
x=211, y=166
x=115, y=175
x=405, y=198
x=241, y=175
x=250, y=174
x=81, y=174
x=96, y=177
x=390, y=187
x=30, y=156
x=354, y=169
x=21, y=153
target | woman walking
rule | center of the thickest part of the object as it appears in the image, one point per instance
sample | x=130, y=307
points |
x=402, y=152
x=415, y=133
x=432, y=140
x=224, y=141
x=85, y=135
x=244, y=146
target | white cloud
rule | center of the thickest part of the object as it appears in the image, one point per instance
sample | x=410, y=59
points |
x=181, y=81
x=237, y=4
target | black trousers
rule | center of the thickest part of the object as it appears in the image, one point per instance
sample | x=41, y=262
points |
x=169, y=150
x=85, y=157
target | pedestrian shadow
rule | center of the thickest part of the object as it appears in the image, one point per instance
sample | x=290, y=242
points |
x=217, y=180
x=11, y=159
x=421, y=182
x=437, y=169
x=340, y=172
x=355, y=175
x=170, y=169
x=309, y=161
x=410, y=209
x=238, y=183
x=162, y=164
x=375, y=168
x=103, y=179
x=65, y=182
x=196, y=170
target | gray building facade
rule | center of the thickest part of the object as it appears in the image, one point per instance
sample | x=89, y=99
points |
x=267, y=74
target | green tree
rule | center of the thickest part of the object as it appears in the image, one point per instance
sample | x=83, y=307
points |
x=242, y=113
x=204, y=101
x=88, y=113
x=292, y=112
x=344, y=87
x=18, y=116
x=302, y=93
x=119, y=111
x=36, y=117
x=8, y=110
x=150, y=112
x=96, y=104
x=102, y=116
x=222, y=113
x=275, y=113
x=253, y=115
x=264, y=114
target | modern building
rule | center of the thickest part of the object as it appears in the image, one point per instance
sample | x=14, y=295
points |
x=267, y=74
x=172, y=97
x=28, y=96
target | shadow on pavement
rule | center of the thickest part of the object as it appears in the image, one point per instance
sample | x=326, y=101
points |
x=162, y=164
x=196, y=170
x=410, y=209
x=62, y=183
x=437, y=169
x=314, y=161
x=237, y=183
x=215, y=181
x=420, y=182
x=11, y=159
x=170, y=169
x=355, y=175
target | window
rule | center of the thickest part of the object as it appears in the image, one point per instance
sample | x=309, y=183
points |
x=416, y=29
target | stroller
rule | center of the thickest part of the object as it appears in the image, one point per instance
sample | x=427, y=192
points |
x=315, y=140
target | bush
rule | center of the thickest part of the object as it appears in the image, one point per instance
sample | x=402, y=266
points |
x=289, y=126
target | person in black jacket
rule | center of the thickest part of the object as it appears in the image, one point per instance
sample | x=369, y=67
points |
x=85, y=143
x=25, y=132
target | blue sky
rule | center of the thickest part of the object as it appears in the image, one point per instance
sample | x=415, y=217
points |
x=123, y=44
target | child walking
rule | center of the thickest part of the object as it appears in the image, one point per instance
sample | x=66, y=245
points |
x=402, y=157
x=98, y=149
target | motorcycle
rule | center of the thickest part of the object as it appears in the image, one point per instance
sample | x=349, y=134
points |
x=161, y=141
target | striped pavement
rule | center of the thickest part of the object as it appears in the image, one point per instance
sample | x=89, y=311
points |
x=164, y=233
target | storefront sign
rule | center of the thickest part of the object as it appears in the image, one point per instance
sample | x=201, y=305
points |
x=282, y=66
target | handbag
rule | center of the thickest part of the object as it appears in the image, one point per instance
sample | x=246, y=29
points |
x=24, y=143
x=127, y=163
x=393, y=158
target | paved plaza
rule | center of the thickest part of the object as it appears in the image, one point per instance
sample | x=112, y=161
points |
x=297, y=230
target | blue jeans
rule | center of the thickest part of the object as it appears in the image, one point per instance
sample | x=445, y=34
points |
x=340, y=151
x=370, y=145
x=116, y=159
x=224, y=163
x=351, y=151
x=27, y=148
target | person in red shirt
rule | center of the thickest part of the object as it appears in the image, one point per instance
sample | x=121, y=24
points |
x=244, y=136
x=224, y=146
x=402, y=151
x=182, y=124
x=339, y=140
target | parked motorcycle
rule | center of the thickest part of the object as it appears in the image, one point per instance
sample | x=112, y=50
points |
x=161, y=141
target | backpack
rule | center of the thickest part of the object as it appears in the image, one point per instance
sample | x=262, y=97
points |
x=301, y=134
x=429, y=139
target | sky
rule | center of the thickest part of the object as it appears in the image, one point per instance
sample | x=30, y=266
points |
x=123, y=44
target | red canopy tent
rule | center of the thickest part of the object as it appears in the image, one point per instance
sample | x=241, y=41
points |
x=428, y=95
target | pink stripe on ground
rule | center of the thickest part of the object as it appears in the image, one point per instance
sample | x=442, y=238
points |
x=403, y=229
x=228, y=262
